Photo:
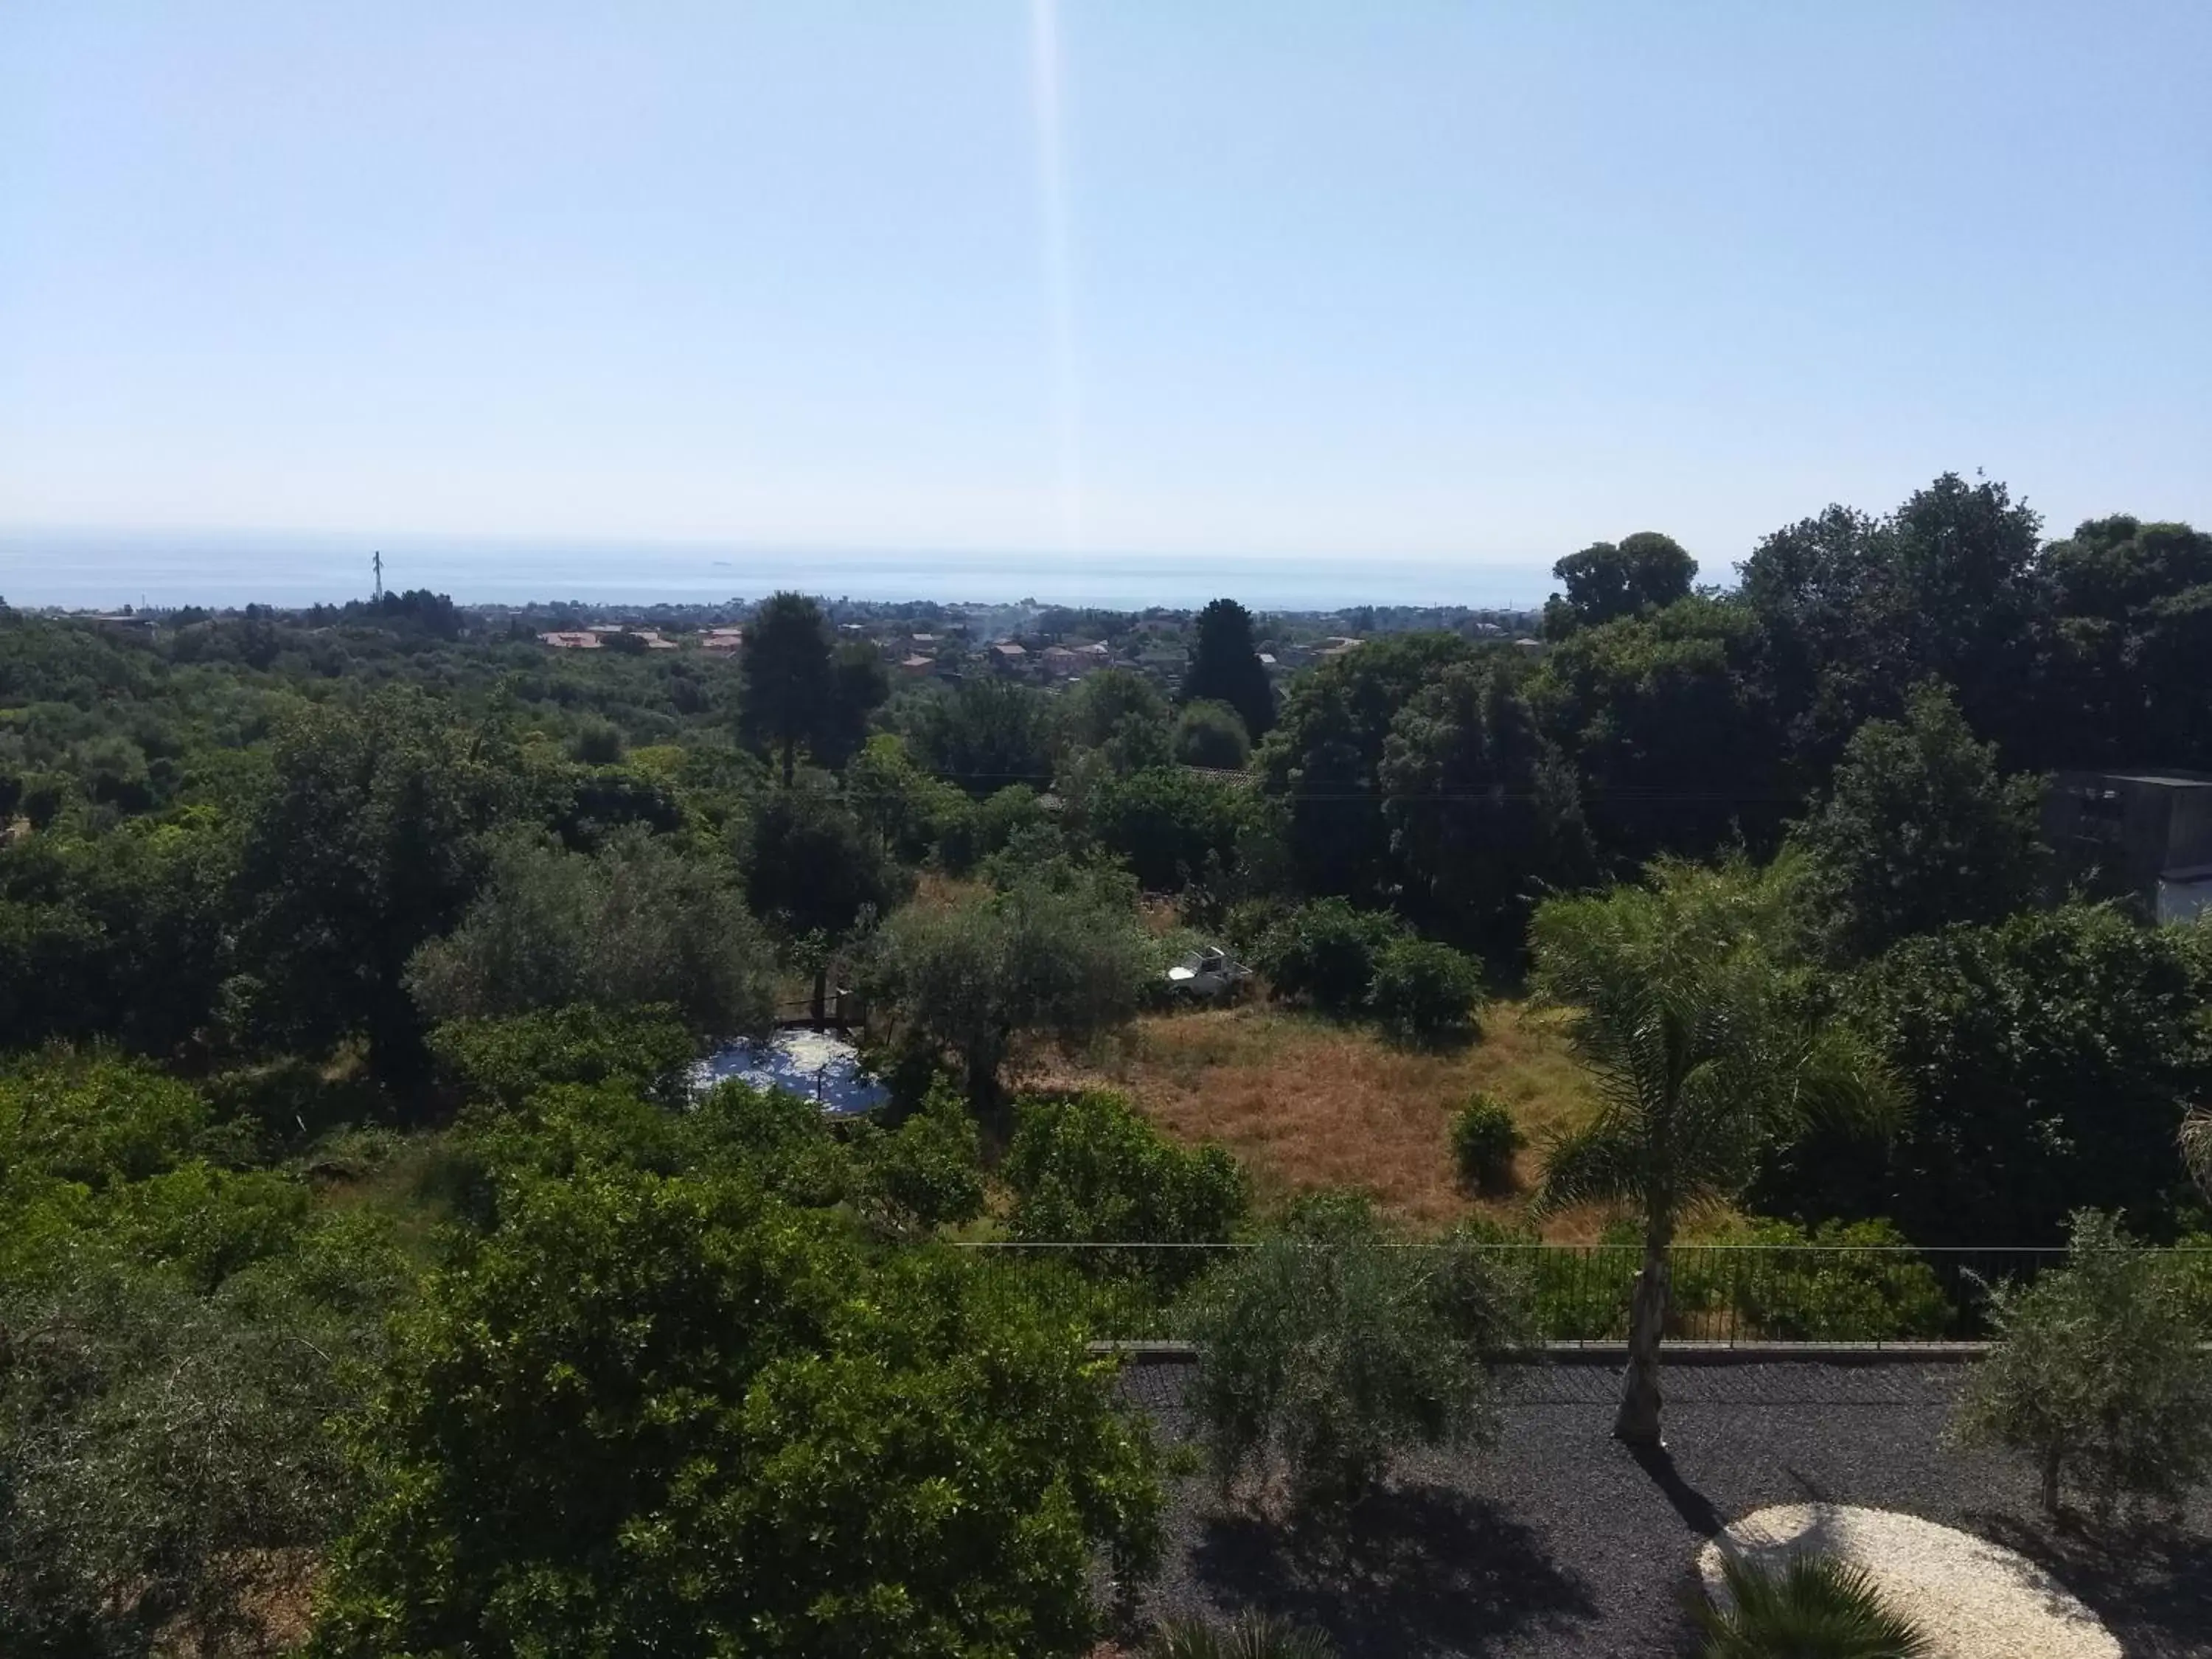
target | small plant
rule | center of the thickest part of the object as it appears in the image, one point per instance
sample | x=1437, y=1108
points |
x=1247, y=1636
x=1326, y=1349
x=2098, y=1376
x=1815, y=1607
x=1483, y=1139
x=1425, y=994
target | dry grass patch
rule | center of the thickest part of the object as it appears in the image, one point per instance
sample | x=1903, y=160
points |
x=1306, y=1105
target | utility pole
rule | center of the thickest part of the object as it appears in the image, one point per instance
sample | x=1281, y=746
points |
x=379, y=563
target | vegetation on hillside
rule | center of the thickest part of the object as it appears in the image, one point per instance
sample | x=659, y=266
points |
x=361, y=1226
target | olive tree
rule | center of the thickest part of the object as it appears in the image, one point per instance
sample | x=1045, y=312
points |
x=1331, y=1345
x=1037, y=961
x=1689, y=1018
x=2098, y=1376
x=635, y=924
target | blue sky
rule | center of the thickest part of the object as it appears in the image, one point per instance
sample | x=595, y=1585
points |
x=1476, y=283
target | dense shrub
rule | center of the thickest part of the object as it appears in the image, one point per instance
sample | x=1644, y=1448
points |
x=1085, y=1169
x=1842, y=1281
x=505, y=1061
x=1484, y=1140
x=1325, y=953
x=2050, y=1059
x=1426, y=993
x=2098, y=1376
x=94, y=1118
x=1324, y=1351
x=167, y=1474
x=927, y=1172
x=1212, y=734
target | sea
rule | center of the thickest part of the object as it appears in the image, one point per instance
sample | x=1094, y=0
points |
x=93, y=569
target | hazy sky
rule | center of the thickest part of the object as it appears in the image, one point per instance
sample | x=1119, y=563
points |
x=1481, y=281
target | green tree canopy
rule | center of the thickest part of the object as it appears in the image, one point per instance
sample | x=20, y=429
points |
x=1035, y=961
x=1325, y=758
x=635, y=924
x=1646, y=571
x=366, y=844
x=1667, y=721
x=1171, y=827
x=668, y=1412
x=1120, y=712
x=985, y=735
x=1484, y=815
x=801, y=690
x=1226, y=667
x=815, y=873
x=1919, y=830
x=788, y=678
x=2052, y=1057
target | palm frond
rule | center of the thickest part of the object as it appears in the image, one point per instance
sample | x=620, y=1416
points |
x=1816, y=1606
x=1590, y=1165
x=2197, y=1146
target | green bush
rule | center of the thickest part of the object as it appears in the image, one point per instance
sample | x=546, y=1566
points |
x=1427, y=995
x=1324, y=1351
x=1212, y=735
x=1815, y=1607
x=1857, y=1283
x=2098, y=1376
x=95, y=1119
x=927, y=1172
x=1325, y=954
x=1085, y=1169
x=1484, y=1140
x=505, y=1061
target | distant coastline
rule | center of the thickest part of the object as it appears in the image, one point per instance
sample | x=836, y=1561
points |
x=93, y=569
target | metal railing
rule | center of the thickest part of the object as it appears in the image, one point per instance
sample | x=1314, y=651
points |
x=1872, y=1295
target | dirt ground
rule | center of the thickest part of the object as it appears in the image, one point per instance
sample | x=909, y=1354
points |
x=1306, y=1104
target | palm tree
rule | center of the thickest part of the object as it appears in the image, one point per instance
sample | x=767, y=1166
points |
x=1692, y=1018
x=1815, y=1607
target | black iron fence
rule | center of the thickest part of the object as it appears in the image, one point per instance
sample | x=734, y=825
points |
x=1579, y=1293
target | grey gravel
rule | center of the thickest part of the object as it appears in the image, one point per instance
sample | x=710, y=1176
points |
x=1559, y=1540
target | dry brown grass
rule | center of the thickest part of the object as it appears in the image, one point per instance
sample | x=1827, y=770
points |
x=1306, y=1105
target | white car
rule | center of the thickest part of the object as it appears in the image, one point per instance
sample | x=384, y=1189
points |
x=1208, y=974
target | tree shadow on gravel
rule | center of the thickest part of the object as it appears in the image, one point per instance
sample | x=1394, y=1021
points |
x=2152, y=1585
x=1420, y=1570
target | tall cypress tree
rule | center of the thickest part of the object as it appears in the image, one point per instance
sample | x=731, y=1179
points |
x=1226, y=668
x=789, y=681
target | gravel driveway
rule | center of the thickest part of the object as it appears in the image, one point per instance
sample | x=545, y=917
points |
x=1558, y=1541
